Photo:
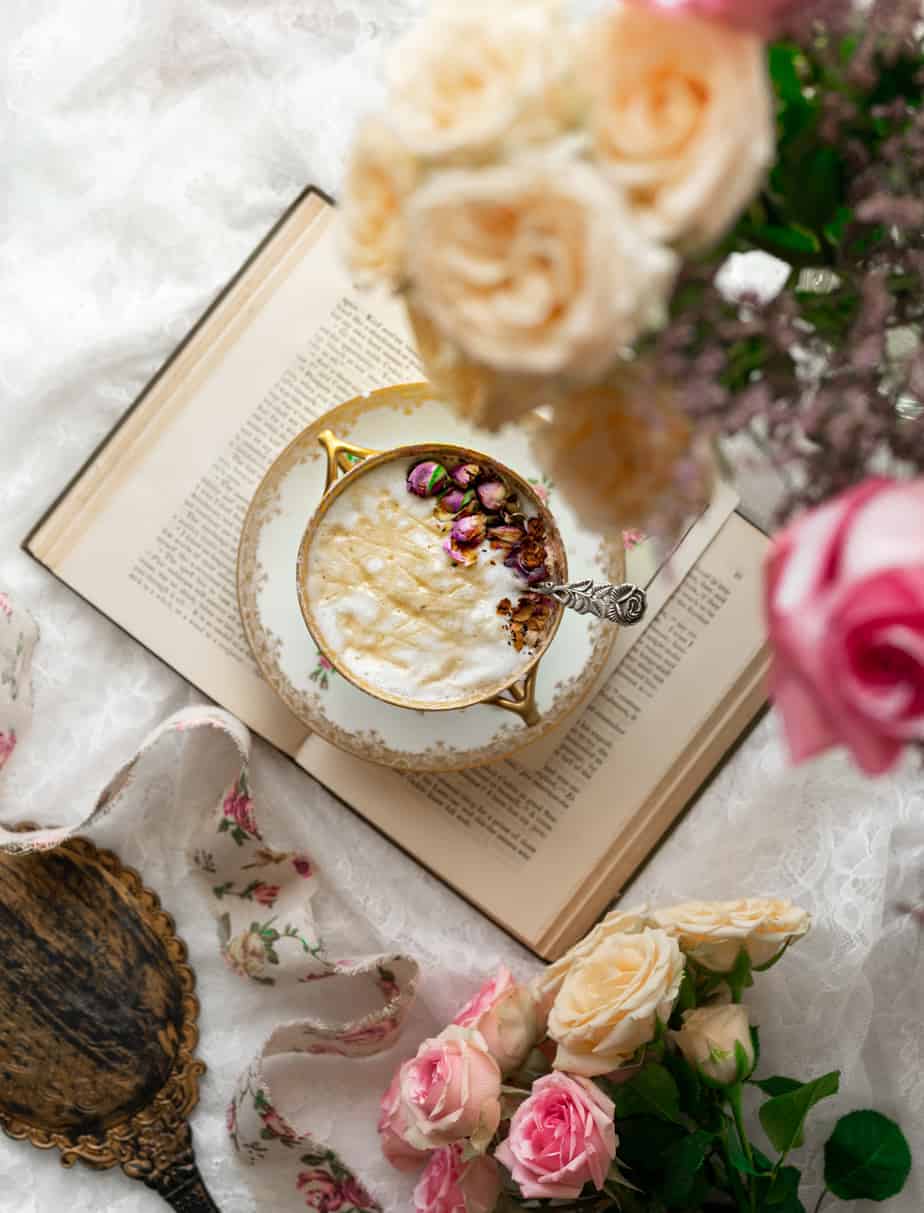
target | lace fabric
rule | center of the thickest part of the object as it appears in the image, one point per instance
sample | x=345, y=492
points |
x=147, y=148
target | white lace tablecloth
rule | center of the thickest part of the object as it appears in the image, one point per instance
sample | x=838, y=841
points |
x=147, y=145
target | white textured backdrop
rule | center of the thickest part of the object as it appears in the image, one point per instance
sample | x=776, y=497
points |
x=146, y=146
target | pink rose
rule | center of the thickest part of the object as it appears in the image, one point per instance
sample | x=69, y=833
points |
x=561, y=1138
x=449, y=1185
x=451, y=1090
x=759, y=16
x=302, y=866
x=506, y=1016
x=392, y=1128
x=322, y=1192
x=845, y=610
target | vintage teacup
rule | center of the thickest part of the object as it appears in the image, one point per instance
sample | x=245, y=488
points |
x=414, y=576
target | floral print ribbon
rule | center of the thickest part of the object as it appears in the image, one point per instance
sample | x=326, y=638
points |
x=262, y=900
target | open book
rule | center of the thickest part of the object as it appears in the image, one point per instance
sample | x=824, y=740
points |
x=148, y=533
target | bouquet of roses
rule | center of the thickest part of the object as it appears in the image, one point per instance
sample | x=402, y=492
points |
x=617, y=1079
x=557, y=200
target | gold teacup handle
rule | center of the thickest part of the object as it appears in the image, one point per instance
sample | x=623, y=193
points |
x=522, y=698
x=340, y=455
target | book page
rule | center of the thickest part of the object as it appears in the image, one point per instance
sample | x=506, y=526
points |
x=150, y=534
x=522, y=841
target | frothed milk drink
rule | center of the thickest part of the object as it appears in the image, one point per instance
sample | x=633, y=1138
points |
x=416, y=598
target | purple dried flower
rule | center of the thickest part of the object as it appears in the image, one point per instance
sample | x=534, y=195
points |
x=492, y=494
x=427, y=478
x=470, y=529
x=465, y=474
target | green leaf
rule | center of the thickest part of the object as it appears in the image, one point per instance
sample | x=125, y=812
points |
x=782, y=58
x=682, y=1163
x=818, y=187
x=867, y=1157
x=762, y=1164
x=777, y=1085
x=790, y=242
x=783, y=1116
x=644, y=1140
x=739, y=978
x=783, y=1194
x=836, y=226
x=652, y=1093
x=689, y=1085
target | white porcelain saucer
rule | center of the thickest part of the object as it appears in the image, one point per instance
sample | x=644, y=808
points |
x=328, y=704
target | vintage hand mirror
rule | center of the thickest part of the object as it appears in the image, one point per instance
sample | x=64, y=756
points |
x=98, y=1020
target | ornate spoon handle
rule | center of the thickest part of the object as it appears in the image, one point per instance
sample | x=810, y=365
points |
x=624, y=604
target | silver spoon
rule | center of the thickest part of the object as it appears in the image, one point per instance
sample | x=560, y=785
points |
x=624, y=604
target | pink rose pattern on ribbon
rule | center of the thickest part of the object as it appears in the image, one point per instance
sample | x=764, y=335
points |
x=262, y=899
x=18, y=635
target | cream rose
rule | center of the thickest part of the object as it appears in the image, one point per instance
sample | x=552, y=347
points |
x=610, y=1003
x=714, y=933
x=381, y=174
x=681, y=117
x=533, y=266
x=474, y=76
x=545, y=986
x=708, y=1041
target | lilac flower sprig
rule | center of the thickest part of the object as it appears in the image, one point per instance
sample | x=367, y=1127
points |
x=828, y=376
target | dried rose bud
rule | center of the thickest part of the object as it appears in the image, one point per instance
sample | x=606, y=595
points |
x=453, y=501
x=531, y=554
x=466, y=554
x=492, y=494
x=470, y=529
x=465, y=474
x=505, y=536
x=535, y=528
x=533, y=574
x=427, y=478
x=504, y=607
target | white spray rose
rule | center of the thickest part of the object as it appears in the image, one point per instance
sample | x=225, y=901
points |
x=381, y=174
x=611, y=1002
x=546, y=985
x=681, y=117
x=473, y=77
x=714, y=933
x=533, y=266
x=708, y=1041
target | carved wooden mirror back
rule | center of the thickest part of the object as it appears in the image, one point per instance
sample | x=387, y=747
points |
x=98, y=1020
